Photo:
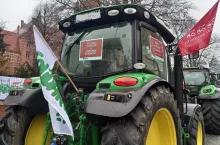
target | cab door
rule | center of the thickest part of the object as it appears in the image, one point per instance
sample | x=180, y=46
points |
x=154, y=54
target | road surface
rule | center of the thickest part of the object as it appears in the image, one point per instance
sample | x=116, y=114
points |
x=212, y=139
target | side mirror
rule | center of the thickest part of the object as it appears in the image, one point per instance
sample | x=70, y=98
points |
x=218, y=76
x=186, y=91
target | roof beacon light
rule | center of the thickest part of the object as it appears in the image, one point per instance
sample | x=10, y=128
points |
x=147, y=15
x=139, y=65
x=113, y=12
x=130, y=10
x=66, y=24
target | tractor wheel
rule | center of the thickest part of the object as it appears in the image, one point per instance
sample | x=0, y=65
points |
x=211, y=113
x=19, y=127
x=154, y=121
x=196, y=129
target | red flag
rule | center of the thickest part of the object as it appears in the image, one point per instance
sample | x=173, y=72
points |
x=199, y=36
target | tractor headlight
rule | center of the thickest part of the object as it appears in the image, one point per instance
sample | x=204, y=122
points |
x=130, y=10
x=113, y=12
x=66, y=24
x=146, y=15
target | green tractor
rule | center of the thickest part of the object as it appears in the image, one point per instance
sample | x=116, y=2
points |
x=126, y=96
x=203, y=87
x=195, y=78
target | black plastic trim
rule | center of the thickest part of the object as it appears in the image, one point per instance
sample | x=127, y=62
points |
x=32, y=99
x=147, y=26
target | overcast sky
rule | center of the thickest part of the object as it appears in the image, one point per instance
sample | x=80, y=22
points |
x=13, y=11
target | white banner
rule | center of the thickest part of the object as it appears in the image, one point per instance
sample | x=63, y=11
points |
x=8, y=83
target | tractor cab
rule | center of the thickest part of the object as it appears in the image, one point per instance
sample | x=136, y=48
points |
x=108, y=41
x=196, y=78
x=215, y=79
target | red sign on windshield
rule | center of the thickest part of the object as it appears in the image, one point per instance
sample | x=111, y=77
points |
x=156, y=47
x=91, y=49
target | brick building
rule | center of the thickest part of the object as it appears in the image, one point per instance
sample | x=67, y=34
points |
x=19, y=51
x=21, y=47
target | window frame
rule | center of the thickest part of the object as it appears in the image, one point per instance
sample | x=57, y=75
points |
x=150, y=28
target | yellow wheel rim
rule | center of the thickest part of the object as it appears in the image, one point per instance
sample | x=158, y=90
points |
x=199, y=134
x=36, y=130
x=162, y=130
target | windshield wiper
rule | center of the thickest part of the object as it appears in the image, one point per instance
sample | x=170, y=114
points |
x=80, y=37
x=71, y=44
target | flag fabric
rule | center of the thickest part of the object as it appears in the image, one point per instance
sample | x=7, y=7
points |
x=46, y=60
x=199, y=36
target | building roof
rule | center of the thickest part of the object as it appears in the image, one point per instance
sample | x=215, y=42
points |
x=12, y=39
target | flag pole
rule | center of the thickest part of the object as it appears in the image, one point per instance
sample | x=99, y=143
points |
x=77, y=90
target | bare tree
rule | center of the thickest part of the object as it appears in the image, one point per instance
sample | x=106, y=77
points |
x=174, y=13
x=46, y=17
x=3, y=45
x=209, y=56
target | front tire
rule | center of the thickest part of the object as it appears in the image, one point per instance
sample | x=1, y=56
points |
x=20, y=127
x=154, y=121
x=211, y=113
x=196, y=128
x=13, y=126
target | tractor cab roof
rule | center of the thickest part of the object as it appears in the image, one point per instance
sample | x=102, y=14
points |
x=196, y=68
x=114, y=14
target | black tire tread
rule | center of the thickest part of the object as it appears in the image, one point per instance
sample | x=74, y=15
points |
x=193, y=127
x=211, y=113
x=13, y=126
x=132, y=129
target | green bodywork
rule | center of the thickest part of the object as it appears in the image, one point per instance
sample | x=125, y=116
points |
x=142, y=78
x=210, y=88
x=35, y=80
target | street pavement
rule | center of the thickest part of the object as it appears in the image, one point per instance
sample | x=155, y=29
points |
x=212, y=139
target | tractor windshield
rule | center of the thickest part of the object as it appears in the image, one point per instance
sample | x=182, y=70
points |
x=98, y=51
x=194, y=77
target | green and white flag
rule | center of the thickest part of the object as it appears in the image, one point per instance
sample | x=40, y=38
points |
x=46, y=60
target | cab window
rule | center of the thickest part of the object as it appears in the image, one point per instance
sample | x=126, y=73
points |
x=154, y=53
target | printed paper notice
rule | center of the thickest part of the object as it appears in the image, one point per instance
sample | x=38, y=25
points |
x=157, y=48
x=91, y=49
